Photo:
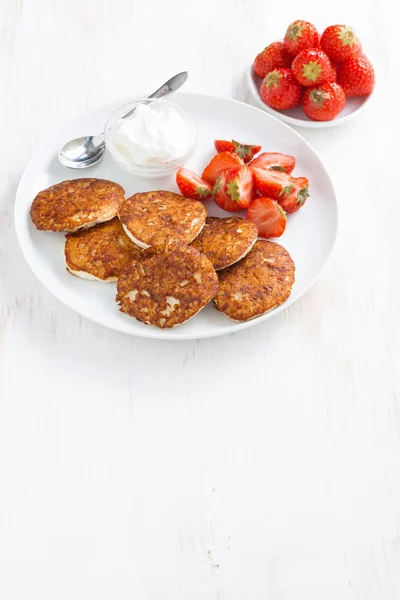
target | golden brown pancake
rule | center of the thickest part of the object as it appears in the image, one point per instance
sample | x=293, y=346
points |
x=71, y=205
x=225, y=241
x=100, y=252
x=256, y=284
x=166, y=288
x=159, y=218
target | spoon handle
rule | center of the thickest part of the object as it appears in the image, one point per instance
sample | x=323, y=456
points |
x=169, y=86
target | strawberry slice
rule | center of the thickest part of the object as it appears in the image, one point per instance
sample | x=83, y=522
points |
x=272, y=184
x=268, y=216
x=221, y=198
x=220, y=163
x=240, y=185
x=192, y=185
x=235, y=189
x=275, y=161
x=293, y=199
x=245, y=151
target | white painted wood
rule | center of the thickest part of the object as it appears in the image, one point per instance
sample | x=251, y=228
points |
x=261, y=465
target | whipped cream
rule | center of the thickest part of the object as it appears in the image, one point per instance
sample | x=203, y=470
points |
x=155, y=135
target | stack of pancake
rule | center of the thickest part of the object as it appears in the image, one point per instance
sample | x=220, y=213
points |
x=164, y=252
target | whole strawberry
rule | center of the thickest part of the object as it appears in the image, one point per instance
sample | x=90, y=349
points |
x=280, y=89
x=340, y=42
x=324, y=102
x=272, y=57
x=356, y=76
x=312, y=66
x=299, y=36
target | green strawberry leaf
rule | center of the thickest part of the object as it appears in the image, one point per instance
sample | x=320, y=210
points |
x=285, y=191
x=217, y=186
x=202, y=192
x=312, y=70
x=318, y=97
x=303, y=195
x=295, y=31
x=272, y=79
x=232, y=189
x=347, y=36
x=243, y=150
x=278, y=168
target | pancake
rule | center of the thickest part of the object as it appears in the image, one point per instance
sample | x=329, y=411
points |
x=167, y=287
x=71, y=205
x=256, y=284
x=100, y=252
x=225, y=241
x=159, y=218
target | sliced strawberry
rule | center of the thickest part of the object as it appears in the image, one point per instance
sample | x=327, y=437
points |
x=275, y=161
x=224, y=146
x=240, y=185
x=221, y=198
x=271, y=183
x=245, y=151
x=268, y=216
x=192, y=185
x=235, y=189
x=292, y=199
x=220, y=163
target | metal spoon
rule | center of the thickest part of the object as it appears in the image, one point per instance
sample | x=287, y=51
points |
x=86, y=151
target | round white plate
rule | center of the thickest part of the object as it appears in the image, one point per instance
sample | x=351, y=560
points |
x=309, y=236
x=297, y=117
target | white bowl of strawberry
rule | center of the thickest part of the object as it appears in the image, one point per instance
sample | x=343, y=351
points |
x=313, y=80
x=239, y=178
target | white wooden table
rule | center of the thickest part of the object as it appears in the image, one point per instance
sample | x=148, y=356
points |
x=264, y=465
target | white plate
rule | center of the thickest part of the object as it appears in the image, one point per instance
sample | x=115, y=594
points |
x=297, y=117
x=309, y=236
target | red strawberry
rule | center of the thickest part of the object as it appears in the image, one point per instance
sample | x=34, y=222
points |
x=272, y=57
x=268, y=216
x=245, y=151
x=356, y=76
x=294, y=195
x=220, y=163
x=299, y=36
x=275, y=161
x=235, y=189
x=271, y=183
x=340, y=42
x=312, y=66
x=280, y=89
x=193, y=186
x=219, y=195
x=325, y=102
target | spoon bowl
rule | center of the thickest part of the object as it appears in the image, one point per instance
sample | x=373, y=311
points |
x=82, y=152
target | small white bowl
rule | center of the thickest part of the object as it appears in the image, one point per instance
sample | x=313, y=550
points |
x=297, y=117
x=152, y=171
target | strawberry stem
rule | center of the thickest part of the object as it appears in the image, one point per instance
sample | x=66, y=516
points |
x=303, y=195
x=285, y=191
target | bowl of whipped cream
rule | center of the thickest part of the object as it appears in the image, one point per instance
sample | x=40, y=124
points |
x=156, y=138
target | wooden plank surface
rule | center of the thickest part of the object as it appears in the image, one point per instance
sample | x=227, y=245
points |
x=259, y=465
